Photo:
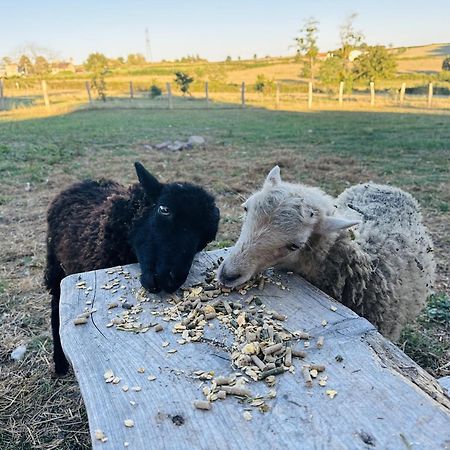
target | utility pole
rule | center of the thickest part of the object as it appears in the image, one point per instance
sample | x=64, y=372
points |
x=148, y=49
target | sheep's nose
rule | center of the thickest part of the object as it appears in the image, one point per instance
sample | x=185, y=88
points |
x=149, y=281
x=229, y=277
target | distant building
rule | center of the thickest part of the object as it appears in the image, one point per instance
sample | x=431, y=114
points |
x=354, y=54
x=324, y=56
x=62, y=66
x=9, y=70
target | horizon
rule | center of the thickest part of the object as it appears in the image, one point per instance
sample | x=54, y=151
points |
x=212, y=32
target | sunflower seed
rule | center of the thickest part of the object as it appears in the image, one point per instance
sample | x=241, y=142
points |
x=80, y=321
x=331, y=393
x=202, y=404
x=307, y=376
x=99, y=435
x=238, y=391
x=320, y=340
x=108, y=374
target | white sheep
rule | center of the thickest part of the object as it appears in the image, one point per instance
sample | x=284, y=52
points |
x=383, y=270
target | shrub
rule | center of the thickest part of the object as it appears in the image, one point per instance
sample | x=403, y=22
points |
x=97, y=64
x=262, y=84
x=332, y=71
x=155, y=91
x=98, y=83
x=183, y=80
x=375, y=64
x=446, y=64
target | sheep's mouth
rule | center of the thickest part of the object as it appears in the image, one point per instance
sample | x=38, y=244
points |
x=232, y=280
x=149, y=281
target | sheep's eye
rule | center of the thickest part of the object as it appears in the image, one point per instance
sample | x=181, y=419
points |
x=245, y=209
x=164, y=210
x=292, y=247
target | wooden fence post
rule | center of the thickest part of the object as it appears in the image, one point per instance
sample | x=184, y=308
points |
x=131, y=90
x=372, y=93
x=207, y=94
x=430, y=94
x=402, y=93
x=88, y=90
x=2, y=94
x=310, y=94
x=277, y=95
x=44, y=90
x=341, y=93
x=243, y=94
x=169, y=95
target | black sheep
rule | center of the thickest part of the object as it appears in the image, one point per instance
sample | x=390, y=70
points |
x=98, y=224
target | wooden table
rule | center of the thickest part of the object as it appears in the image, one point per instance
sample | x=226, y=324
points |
x=384, y=400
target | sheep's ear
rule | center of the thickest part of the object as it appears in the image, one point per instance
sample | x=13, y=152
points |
x=151, y=185
x=329, y=224
x=273, y=178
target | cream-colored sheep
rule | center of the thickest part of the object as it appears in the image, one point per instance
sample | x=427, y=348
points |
x=368, y=248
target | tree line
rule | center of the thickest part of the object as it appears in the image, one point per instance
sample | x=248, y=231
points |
x=354, y=60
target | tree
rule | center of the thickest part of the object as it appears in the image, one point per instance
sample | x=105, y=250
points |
x=33, y=50
x=375, y=64
x=331, y=71
x=228, y=58
x=115, y=62
x=98, y=83
x=338, y=67
x=97, y=64
x=183, y=80
x=446, y=64
x=41, y=66
x=350, y=40
x=135, y=59
x=306, y=45
x=25, y=65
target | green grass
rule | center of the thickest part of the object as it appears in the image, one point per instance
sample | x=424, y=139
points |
x=420, y=340
x=437, y=310
x=408, y=149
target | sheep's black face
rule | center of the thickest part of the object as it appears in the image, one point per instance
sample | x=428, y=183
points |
x=182, y=221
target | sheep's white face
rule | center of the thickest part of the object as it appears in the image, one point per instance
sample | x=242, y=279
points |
x=279, y=220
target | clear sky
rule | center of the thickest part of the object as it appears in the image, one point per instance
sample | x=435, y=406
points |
x=212, y=29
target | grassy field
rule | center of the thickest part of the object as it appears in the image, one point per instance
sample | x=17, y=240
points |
x=417, y=67
x=40, y=156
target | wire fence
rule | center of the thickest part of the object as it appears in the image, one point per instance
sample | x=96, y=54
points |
x=51, y=95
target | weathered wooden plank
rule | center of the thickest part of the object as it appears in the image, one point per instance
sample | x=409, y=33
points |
x=383, y=398
x=445, y=383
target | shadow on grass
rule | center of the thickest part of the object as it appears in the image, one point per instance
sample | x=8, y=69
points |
x=11, y=103
x=404, y=147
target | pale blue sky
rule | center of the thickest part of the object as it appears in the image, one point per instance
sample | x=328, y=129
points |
x=213, y=29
